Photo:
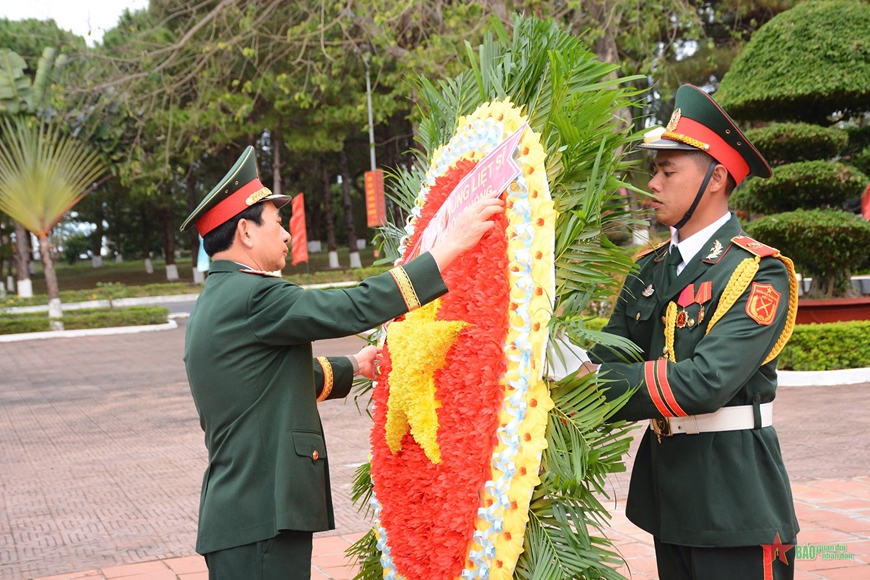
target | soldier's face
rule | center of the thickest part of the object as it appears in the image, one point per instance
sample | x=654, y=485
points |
x=675, y=183
x=270, y=240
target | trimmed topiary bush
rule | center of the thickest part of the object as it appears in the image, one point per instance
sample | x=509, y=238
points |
x=806, y=184
x=826, y=245
x=805, y=64
x=740, y=201
x=861, y=161
x=822, y=347
x=789, y=142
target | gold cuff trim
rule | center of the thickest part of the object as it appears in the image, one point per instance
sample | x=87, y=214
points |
x=258, y=195
x=403, y=281
x=686, y=139
x=328, y=378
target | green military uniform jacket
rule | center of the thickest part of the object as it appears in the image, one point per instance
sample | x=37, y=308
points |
x=720, y=489
x=255, y=384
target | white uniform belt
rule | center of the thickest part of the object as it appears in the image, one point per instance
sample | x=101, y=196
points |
x=725, y=419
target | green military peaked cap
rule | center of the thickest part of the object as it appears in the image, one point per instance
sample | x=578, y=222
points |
x=699, y=123
x=238, y=190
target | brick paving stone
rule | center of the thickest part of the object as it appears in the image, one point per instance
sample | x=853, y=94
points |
x=103, y=459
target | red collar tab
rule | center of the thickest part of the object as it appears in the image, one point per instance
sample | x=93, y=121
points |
x=246, y=196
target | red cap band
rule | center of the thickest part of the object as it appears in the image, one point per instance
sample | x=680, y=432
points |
x=719, y=149
x=228, y=208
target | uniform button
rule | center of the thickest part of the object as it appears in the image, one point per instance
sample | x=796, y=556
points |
x=637, y=317
x=757, y=398
x=315, y=455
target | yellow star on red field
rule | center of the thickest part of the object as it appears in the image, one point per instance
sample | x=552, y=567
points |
x=778, y=549
x=418, y=347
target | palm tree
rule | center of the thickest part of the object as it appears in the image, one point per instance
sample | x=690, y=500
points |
x=44, y=173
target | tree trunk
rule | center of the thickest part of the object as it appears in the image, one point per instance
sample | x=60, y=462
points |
x=276, y=163
x=330, y=224
x=54, y=308
x=146, y=238
x=348, y=212
x=97, y=239
x=191, y=205
x=169, y=239
x=22, y=261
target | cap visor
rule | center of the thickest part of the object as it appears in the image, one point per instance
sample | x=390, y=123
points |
x=667, y=144
x=280, y=200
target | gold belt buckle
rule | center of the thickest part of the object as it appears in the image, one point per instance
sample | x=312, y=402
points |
x=662, y=428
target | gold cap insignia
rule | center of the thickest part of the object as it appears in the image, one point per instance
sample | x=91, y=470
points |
x=257, y=196
x=675, y=119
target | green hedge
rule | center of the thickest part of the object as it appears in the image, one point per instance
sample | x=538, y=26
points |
x=825, y=244
x=859, y=139
x=85, y=318
x=806, y=185
x=781, y=143
x=822, y=347
x=804, y=64
x=861, y=161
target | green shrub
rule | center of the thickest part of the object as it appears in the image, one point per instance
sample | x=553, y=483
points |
x=781, y=143
x=825, y=244
x=861, y=161
x=821, y=347
x=859, y=139
x=805, y=64
x=85, y=318
x=741, y=201
x=806, y=185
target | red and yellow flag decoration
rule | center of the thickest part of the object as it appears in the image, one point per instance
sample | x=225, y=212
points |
x=297, y=230
x=460, y=407
x=376, y=213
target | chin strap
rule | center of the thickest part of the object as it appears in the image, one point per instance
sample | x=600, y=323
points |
x=698, y=197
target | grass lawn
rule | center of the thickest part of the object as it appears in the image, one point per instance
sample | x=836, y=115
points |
x=78, y=282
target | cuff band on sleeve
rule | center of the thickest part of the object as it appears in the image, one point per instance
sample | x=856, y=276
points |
x=403, y=281
x=327, y=378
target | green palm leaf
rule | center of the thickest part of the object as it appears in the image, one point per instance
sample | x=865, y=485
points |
x=43, y=173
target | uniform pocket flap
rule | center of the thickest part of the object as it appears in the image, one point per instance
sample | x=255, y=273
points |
x=309, y=444
x=641, y=310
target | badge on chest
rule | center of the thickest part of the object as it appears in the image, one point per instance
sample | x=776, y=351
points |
x=688, y=297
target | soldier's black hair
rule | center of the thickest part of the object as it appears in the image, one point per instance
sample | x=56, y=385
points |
x=221, y=238
x=704, y=159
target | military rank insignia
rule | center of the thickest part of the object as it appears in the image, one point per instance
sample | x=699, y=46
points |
x=762, y=304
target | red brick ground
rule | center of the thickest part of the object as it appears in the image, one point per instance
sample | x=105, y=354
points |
x=101, y=459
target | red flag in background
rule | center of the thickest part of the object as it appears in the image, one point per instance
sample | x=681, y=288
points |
x=299, y=243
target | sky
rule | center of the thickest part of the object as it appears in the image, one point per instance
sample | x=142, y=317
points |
x=88, y=18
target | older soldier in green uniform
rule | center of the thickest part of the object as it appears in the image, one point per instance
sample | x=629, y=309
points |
x=256, y=386
x=710, y=309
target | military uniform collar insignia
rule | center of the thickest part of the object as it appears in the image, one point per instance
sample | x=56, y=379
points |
x=715, y=251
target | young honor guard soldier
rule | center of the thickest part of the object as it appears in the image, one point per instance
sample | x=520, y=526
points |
x=254, y=381
x=711, y=309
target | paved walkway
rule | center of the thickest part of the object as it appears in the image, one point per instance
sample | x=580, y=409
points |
x=101, y=459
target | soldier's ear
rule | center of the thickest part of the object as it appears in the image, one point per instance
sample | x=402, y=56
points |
x=719, y=179
x=243, y=233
